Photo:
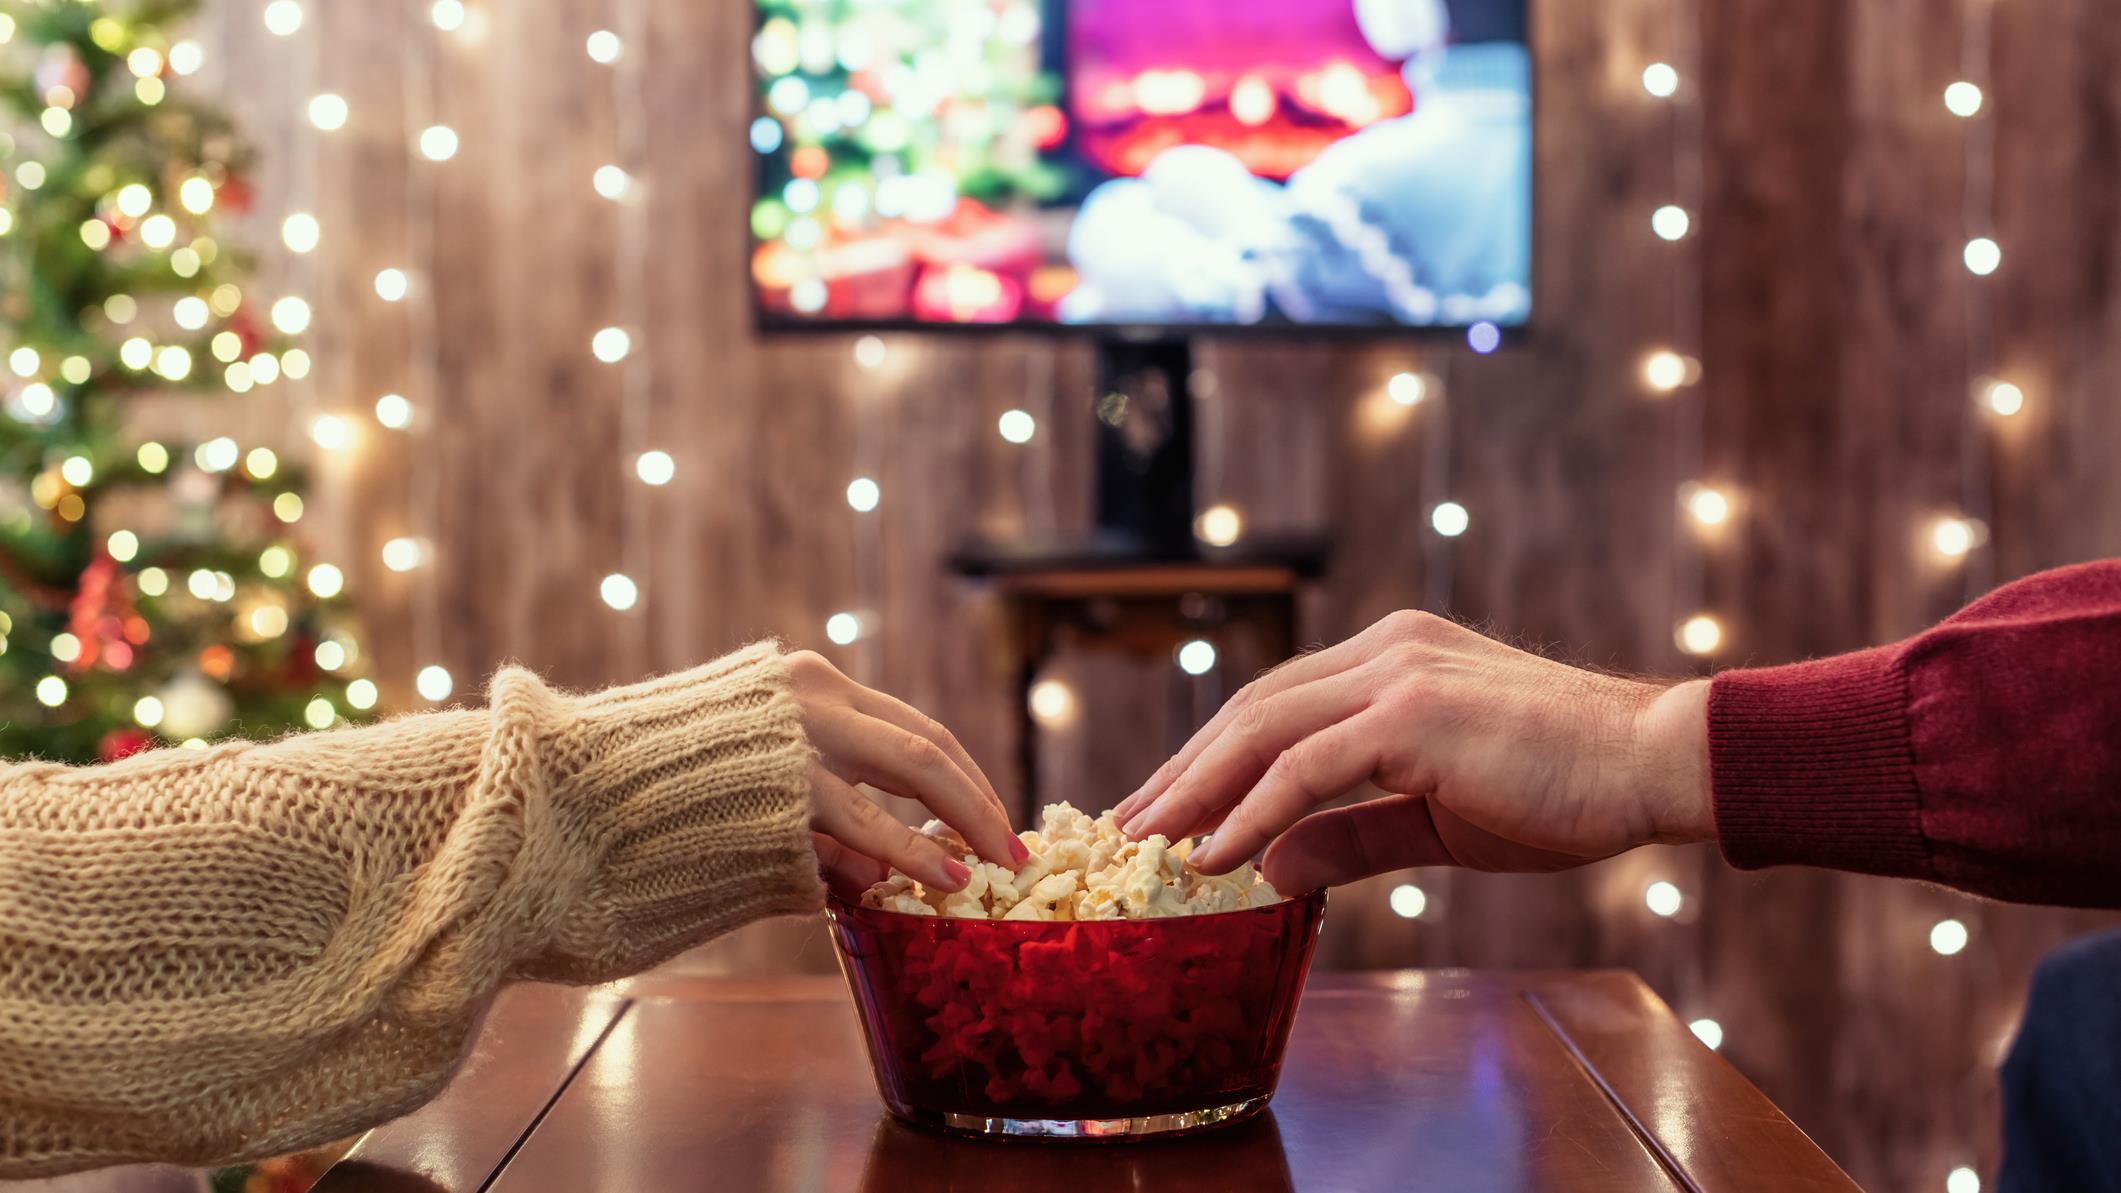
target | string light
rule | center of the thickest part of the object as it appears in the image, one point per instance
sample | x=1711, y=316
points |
x=1708, y=1031
x=1052, y=703
x=147, y=711
x=1962, y=98
x=611, y=345
x=186, y=57
x=331, y=432
x=1707, y=506
x=1663, y=899
x=152, y=581
x=77, y=471
x=319, y=714
x=1407, y=389
x=1664, y=370
x=158, y=231
x=393, y=411
x=1670, y=222
x=1953, y=537
x=1219, y=526
x=1948, y=937
x=1197, y=657
x=217, y=455
x=328, y=112
x=1962, y=1180
x=438, y=143
x=619, y=591
x=190, y=312
x=611, y=182
x=1017, y=426
x=2003, y=398
x=655, y=468
x=276, y=561
x=1407, y=901
x=1700, y=634
x=196, y=195
x=330, y=654
x=326, y=580
x=65, y=647
x=261, y=463
x=870, y=352
x=51, y=691
x=604, y=47
x=843, y=629
x=1450, y=519
x=291, y=316
x=392, y=285
x=361, y=694
x=433, y=683
x=283, y=17
x=122, y=545
x=404, y=553
x=299, y=232
x=447, y=15
x=863, y=494
x=1660, y=80
x=287, y=507
x=1983, y=256
x=153, y=458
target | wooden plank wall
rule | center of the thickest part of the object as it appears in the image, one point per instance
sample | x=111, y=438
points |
x=1833, y=398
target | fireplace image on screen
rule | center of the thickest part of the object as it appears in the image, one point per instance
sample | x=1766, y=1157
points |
x=1189, y=164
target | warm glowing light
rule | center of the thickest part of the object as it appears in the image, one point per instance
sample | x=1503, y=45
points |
x=433, y=683
x=2003, y=398
x=147, y=711
x=38, y=399
x=1670, y=222
x=66, y=648
x=25, y=362
x=145, y=62
x=393, y=411
x=283, y=17
x=1017, y=426
x=1948, y=937
x=611, y=345
x=158, y=231
x=291, y=316
x=319, y=714
x=1660, y=80
x=1664, y=370
x=843, y=629
x=186, y=57
x=655, y=468
x=76, y=370
x=328, y=112
x=51, y=691
x=1197, y=657
x=1663, y=899
x=122, y=545
x=1450, y=519
x=190, y=312
x=1219, y=525
x=611, y=182
x=1983, y=256
x=1052, y=703
x=331, y=432
x=153, y=582
x=77, y=471
x=1707, y=506
x=173, y=361
x=275, y=562
x=1252, y=101
x=1953, y=537
x=391, y=284
x=1407, y=389
x=196, y=195
x=869, y=352
x=268, y=621
x=403, y=554
x=619, y=591
x=287, y=507
x=604, y=46
x=95, y=234
x=326, y=580
x=1408, y=901
x=153, y=458
x=361, y=694
x=299, y=232
x=1708, y=1031
x=438, y=143
x=1962, y=1180
x=330, y=654
x=863, y=494
x=447, y=15
x=1962, y=98
x=136, y=353
x=1700, y=634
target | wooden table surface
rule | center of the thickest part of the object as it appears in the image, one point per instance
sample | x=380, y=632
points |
x=1455, y=1081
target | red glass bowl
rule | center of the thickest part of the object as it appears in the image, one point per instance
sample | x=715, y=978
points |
x=1106, y=1028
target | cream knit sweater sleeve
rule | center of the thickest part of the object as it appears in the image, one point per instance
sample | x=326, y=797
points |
x=242, y=951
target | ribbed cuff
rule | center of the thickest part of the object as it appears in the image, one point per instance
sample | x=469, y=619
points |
x=1811, y=765
x=691, y=793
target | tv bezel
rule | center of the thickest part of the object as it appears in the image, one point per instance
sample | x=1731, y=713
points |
x=767, y=324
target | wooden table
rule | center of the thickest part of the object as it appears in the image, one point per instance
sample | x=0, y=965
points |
x=1433, y=1080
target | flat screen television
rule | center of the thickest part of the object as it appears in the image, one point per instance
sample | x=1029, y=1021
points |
x=1168, y=165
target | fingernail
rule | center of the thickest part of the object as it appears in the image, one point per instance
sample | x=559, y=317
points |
x=957, y=874
x=1018, y=851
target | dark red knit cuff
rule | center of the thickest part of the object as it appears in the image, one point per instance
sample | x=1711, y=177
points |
x=1812, y=765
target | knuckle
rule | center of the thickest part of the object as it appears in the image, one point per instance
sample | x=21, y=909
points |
x=1411, y=625
x=1252, y=719
x=809, y=666
x=922, y=754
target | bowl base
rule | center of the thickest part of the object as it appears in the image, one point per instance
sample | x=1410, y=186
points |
x=1143, y=1127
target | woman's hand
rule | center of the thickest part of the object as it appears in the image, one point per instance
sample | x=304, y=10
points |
x=865, y=737
x=1491, y=758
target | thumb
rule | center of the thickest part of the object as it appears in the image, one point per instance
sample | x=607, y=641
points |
x=1343, y=844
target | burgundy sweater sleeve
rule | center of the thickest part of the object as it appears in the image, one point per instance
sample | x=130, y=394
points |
x=1984, y=753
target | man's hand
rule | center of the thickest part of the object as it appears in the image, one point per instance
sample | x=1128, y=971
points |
x=1492, y=758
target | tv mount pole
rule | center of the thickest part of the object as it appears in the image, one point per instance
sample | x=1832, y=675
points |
x=1144, y=414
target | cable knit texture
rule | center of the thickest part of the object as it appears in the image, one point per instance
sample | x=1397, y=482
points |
x=246, y=950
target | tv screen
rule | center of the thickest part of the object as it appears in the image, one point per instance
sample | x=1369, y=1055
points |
x=1183, y=163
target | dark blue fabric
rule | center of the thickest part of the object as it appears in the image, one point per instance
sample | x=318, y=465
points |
x=2062, y=1083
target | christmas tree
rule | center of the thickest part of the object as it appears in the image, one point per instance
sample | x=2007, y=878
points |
x=151, y=592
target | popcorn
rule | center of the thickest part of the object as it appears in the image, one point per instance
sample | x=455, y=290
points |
x=1080, y=868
